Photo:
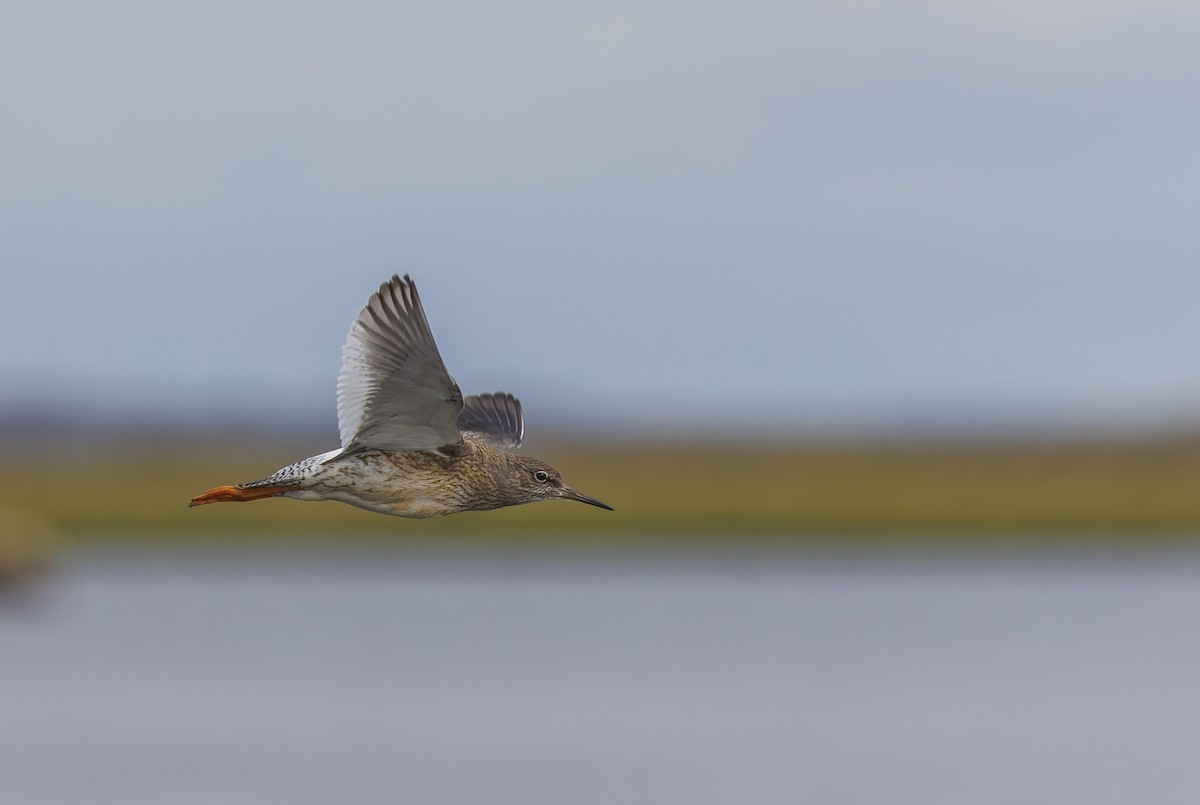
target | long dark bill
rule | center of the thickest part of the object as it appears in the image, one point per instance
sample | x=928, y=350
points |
x=573, y=494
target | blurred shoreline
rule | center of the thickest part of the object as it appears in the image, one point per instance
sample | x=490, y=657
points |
x=113, y=489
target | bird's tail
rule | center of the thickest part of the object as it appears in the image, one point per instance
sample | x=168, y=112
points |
x=239, y=494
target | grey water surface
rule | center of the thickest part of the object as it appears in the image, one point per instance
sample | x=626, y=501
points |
x=773, y=677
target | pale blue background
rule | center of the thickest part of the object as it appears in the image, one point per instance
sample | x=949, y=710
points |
x=750, y=216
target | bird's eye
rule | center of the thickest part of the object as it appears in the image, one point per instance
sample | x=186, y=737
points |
x=541, y=475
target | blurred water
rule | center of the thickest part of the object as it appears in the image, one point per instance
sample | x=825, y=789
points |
x=452, y=679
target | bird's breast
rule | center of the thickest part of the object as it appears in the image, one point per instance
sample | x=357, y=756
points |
x=405, y=484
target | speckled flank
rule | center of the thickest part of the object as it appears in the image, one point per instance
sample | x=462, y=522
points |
x=415, y=483
x=292, y=473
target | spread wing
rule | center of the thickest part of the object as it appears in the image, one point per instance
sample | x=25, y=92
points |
x=493, y=418
x=394, y=392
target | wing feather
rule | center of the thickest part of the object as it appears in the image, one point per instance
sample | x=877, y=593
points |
x=493, y=418
x=394, y=392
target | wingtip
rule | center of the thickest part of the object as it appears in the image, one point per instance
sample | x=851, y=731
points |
x=397, y=281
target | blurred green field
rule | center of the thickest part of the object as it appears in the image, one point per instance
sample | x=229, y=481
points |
x=661, y=492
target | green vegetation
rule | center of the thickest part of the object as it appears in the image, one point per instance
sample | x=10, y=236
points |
x=662, y=493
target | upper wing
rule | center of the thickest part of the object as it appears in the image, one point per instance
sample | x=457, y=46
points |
x=394, y=392
x=493, y=418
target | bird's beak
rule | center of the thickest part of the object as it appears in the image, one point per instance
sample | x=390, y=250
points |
x=572, y=494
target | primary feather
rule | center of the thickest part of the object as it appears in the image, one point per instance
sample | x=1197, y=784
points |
x=493, y=418
x=393, y=392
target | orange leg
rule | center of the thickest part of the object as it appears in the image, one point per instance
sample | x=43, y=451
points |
x=236, y=494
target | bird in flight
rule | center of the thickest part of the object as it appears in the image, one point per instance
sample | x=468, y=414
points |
x=412, y=446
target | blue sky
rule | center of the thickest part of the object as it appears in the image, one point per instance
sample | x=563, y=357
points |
x=754, y=216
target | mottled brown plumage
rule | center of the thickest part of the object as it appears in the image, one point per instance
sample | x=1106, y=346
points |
x=411, y=445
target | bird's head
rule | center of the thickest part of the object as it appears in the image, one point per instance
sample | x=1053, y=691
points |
x=534, y=480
